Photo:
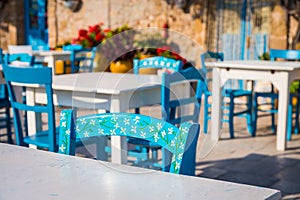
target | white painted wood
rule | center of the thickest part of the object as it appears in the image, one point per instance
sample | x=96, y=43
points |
x=56, y=176
x=114, y=92
x=281, y=74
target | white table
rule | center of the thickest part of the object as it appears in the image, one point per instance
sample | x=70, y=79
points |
x=51, y=56
x=56, y=176
x=280, y=74
x=108, y=91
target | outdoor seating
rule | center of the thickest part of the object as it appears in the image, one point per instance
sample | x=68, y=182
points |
x=156, y=62
x=181, y=142
x=268, y=105
x=81, y=59
x=21, y=75
x=229, y=106
x=172, y=105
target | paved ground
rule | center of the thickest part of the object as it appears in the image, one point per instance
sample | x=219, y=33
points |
x=253, y=161
x=248, y=160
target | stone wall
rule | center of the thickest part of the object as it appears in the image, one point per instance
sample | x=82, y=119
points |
x=191, y=20
x=12, y=24
x=114, y=13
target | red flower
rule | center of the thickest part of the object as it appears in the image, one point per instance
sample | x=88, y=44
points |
x=99, y=37
x=82, y=33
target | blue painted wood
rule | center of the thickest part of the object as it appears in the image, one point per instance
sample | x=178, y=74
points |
x=35, y=18
x=78, y=58
x=181, y=142
x=290, y=55
x=231, y=93
x=157, y=62
x=22, y=57
x=30, y=75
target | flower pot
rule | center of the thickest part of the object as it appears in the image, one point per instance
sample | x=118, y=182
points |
x=121, y=66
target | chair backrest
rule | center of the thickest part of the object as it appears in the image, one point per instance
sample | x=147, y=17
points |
x=179, y=141
x=157, y=62
x=20, y=59
x=173, y=101
x=210, y=56
x=284, y=54
x=25, y=77
x=82, y=59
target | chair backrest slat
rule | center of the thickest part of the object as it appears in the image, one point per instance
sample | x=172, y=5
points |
x=127, y=124
x=284, y=54
x=157, y=62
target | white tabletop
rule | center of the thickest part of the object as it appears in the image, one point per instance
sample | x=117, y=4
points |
x=105, y=82
x=256, y=65
x=56, y=176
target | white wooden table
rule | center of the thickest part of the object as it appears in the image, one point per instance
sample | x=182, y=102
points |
x=103, y=90
x=51, y=56
x=56, y=176
x=280, y=74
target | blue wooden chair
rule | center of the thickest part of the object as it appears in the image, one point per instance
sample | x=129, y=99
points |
x=82, y=59
x=268, y=107
x=181, y=142
x=232, y=94
x=42, y=76
x=156, y=62
x=171, y=112
x=5, y=121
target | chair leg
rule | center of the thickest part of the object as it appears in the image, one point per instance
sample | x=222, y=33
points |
x=8, y=126
x=249, y=116
x=273, y=116
x=231, y=114
x=205, y=125
x=289, y=121
x=255, y=111
x=137, y=111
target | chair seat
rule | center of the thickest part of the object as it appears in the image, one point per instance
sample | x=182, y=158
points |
x=41, y=139
x=137, y=141
x=238, y=93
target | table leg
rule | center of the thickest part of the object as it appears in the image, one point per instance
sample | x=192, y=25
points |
x=216, y=104
x=34, y=120
x=118, y=144
x=282, y=85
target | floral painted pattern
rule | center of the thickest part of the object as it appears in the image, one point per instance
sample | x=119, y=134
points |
x=124, y=124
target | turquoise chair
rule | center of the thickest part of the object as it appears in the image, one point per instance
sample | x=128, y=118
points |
x=181, y=142
x=80, y=62
x=232, y=94
x=26, y=76
x=171, y=112
x=156, y=62
x=268, y=107
x=30, y=75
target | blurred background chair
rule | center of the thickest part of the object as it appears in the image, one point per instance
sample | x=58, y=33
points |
x=265, y=101
x=156, y=62
x=5, y=115
x=81, y=59
x=181, y=142
x=232, y=97
x=172, y=104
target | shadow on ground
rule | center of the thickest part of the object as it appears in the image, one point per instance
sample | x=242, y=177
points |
x=277, y=172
